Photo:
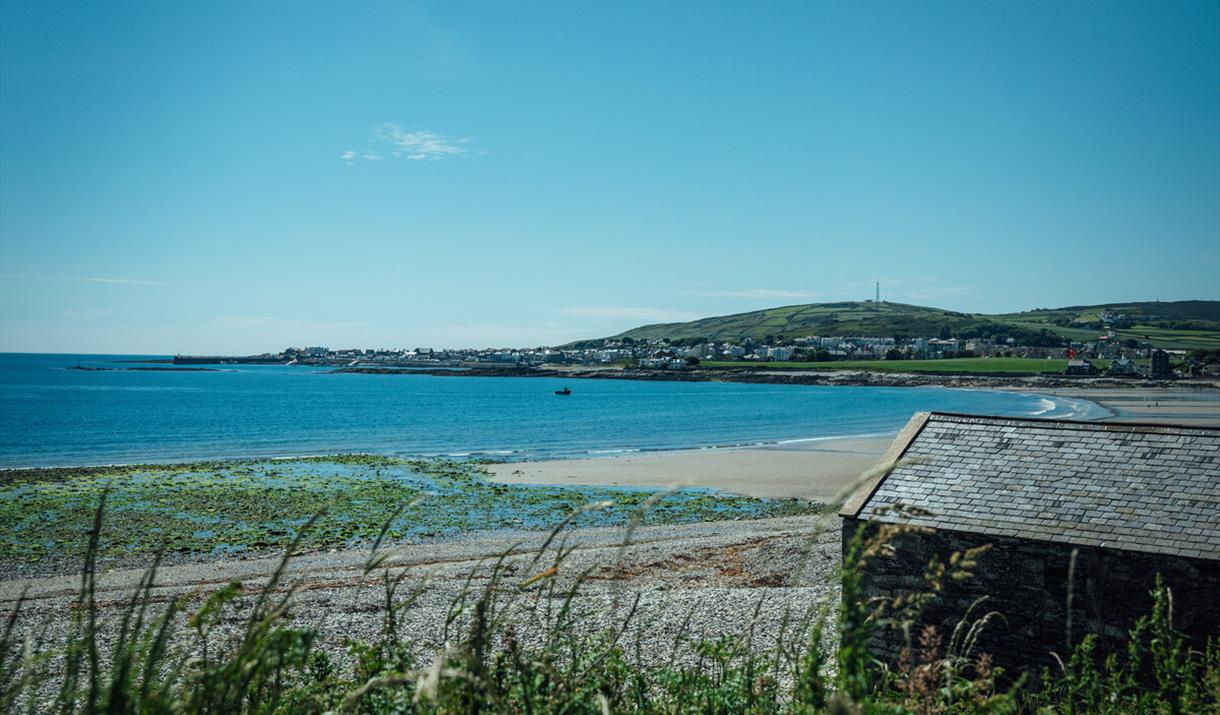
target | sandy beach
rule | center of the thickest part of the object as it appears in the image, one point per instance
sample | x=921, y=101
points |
x=1198, y=407
x=821, y=470
x=815, y=470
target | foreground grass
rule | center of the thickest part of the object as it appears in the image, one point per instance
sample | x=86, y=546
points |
x=271, y=667
x=242, y=506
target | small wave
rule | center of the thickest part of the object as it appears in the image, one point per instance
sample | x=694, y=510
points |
x=1086, y=410
x=1046, y=405
x=828, y=438
x=1066, y=408
x=612, y=451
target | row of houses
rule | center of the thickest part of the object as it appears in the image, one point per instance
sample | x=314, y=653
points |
x=661, y=354
x=829, y=348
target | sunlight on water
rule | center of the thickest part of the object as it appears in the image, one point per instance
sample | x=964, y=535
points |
x=52, y=415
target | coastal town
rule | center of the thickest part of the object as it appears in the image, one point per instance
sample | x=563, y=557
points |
x=1107, y=355
x=1156, y=341
x=553, y=358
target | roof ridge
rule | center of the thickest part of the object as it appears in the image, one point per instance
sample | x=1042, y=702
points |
x=1098, y=425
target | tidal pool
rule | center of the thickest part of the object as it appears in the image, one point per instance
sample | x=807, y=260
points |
x=245, y=506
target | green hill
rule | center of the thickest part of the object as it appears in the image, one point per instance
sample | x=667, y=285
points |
x=1191, y=324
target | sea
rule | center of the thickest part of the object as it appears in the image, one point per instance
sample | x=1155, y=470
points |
x=52, y=414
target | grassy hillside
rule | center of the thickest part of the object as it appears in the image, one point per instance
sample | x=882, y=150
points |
x=849, y=318
x=1180, y=325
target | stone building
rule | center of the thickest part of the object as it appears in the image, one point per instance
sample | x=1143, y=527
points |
x=1129, y=500
x=1080, y=366
x=1158, y=368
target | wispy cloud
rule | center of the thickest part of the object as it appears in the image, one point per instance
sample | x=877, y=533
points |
x=755, y=293
x=420, y=144
x=124, y=281
x=410, y=144
x=94, y=279
x=622, y=312
x=86, y=314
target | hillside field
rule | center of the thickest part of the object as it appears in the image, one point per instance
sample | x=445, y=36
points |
x=1180, y=325
x=1173, y=339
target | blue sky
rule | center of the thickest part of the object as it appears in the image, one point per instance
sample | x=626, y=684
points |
x=240, y=177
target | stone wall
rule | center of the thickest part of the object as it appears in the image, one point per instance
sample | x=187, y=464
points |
x=1027, y=582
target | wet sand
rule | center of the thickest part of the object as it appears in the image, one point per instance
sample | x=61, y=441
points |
x=1198, y=407
x=817, y=470
x=822, y=470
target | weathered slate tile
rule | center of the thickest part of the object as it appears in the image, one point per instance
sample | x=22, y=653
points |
x=1153, y=489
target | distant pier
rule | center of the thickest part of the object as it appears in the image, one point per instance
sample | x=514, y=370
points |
x=228, y=360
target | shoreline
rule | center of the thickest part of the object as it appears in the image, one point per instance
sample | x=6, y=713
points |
x=824, y=468
x=1177, y=404
x=829, y=377
x=817, y=470
x=1195, y=408
x=499, y=458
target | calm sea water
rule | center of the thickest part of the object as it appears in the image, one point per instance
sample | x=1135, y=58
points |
x=53, y=416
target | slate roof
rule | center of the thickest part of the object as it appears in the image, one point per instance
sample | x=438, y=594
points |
x=1133, y=487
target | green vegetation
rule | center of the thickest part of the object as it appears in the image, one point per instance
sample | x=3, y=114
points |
x=250, y=505
x=1172, y=325
x=1015, y=366
x=884, y=319
x=153, y=665
x=1172, y=339
x=1076, y=334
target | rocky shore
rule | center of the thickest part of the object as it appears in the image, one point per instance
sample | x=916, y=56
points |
x=692, y=581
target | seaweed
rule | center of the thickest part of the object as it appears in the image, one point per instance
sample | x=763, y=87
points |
x=237, y=507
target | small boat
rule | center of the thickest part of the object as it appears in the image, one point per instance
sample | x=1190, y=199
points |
x=564, y=391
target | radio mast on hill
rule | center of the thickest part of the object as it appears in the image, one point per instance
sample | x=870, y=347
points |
x=877, y=300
